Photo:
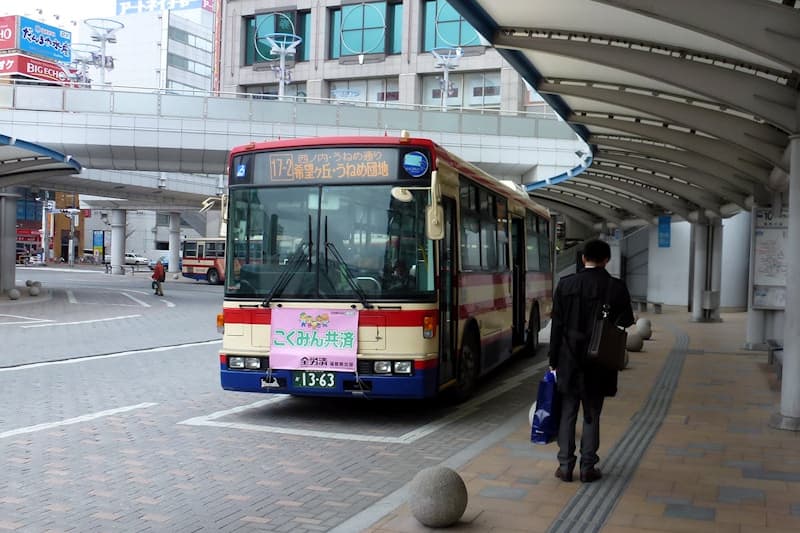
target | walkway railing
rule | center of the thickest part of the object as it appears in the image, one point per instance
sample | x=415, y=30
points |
x=10, y=99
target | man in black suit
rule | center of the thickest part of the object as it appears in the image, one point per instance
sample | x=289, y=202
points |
x=576, y=303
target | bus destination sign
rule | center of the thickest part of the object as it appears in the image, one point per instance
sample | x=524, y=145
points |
x=331, y=164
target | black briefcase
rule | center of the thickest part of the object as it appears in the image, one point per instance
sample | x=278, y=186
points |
x=607, y=344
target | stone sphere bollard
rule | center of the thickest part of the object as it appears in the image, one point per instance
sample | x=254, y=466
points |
x=14, y=294
x=634, y=342
x=28, y=282
x=37, y=284
x=644, y=328
x=437, y=496
x=177, y=275
x=34, y=290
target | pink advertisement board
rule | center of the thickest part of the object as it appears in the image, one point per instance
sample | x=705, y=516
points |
x=314, y=339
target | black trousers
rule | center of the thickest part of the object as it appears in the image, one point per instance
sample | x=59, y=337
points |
x=590, y=436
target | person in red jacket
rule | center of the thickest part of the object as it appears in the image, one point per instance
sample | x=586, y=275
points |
x=158, y=277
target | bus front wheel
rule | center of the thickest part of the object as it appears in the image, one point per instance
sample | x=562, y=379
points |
x=213, y=276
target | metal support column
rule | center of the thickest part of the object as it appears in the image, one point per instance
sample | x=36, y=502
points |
x=8, y=239
x=174, y=242
x=788, y=417
x=118, y=223
x=700, y=229
x=716, y=269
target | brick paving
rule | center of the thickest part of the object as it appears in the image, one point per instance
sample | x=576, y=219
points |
x=713, y=465
x=143, y=470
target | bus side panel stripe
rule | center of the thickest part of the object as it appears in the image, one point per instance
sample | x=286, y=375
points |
x=469, y=279
x=410, y=318
x=476, y=308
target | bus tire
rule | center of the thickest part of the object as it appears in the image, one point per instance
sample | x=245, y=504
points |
x=212, y=276
x=468, y=367
x=532, y=334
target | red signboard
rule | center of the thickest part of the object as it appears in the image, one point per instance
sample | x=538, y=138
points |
x=30, y=67
x=8, y=33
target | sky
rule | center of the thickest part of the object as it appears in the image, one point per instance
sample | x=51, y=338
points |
x=77, y=10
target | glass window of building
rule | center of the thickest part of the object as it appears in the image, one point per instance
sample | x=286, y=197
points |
x=375, y=92
x=183, y=36
x=367, y=28
x=295, y=91
x=183, y=63
x=257, y=48
x=442, y=27
x=479, y=90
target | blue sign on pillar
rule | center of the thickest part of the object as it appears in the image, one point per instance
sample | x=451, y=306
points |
x=664, y=231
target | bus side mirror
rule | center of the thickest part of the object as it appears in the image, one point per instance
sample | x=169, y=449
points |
x=434, y=214
x=434, y=222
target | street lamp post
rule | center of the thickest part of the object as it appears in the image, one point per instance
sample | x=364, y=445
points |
x=104, y=31
x=447, y=60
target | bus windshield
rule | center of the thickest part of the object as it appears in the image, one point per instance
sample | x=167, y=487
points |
x=328, y=242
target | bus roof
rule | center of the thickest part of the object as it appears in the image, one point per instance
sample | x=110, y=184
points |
x=438, y=151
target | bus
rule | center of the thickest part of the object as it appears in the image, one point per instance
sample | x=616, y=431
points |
x=380, y=267
x=204, y=259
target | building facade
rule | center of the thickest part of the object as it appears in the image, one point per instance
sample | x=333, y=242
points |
x=391, y=53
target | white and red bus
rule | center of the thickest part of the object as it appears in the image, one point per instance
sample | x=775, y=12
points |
x=384, y=267
x=204, y=259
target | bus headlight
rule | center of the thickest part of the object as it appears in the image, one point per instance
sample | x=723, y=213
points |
x=235, y=362
x=402, y=367
x=252, y=363
x=383, y=367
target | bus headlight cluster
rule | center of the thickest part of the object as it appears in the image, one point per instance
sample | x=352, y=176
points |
x=388, y=367
x=402, y=367
x=250, y=363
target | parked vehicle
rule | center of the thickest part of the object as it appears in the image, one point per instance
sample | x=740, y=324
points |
x=134, y=259
x=164, y=261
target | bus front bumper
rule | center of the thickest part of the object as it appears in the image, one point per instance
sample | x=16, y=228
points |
x=421, y=384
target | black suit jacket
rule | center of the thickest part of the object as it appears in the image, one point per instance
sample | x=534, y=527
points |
x=576, y=302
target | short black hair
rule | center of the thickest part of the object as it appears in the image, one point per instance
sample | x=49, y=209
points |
x=596, y=251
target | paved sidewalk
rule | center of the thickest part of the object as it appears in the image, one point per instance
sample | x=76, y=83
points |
x=686, y=446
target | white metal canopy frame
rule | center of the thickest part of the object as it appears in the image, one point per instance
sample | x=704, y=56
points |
x=688, y=106
x=691, y=109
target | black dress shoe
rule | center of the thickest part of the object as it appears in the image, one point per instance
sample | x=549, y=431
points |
x=563, y=476
x=592, y=474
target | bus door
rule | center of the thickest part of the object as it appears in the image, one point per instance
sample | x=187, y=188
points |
x=448, y=302
x=518, y=283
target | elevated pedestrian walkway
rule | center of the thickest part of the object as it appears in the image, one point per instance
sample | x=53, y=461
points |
x=685, y=446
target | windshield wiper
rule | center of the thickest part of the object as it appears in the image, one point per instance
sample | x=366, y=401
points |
x=297, y=259
x=348, y=276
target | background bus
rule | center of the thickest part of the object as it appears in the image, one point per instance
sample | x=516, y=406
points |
x=376, y=266
x=204, y=259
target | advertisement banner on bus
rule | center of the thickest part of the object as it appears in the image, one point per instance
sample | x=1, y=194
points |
x=314, y=339
x=44, y=40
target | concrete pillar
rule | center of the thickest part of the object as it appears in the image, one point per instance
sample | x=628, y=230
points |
x=716, y=266
x=8, y=239
x=410, y=88
x=174, y=242
x=788, y=416
x=118, y=224
x=700, y=229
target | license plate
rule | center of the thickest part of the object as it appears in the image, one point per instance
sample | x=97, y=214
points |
x=314, y=380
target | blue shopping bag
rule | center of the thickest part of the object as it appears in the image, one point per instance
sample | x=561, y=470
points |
x=547, y=412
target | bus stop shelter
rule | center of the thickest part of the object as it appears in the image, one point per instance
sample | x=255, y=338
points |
x=22, y=162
